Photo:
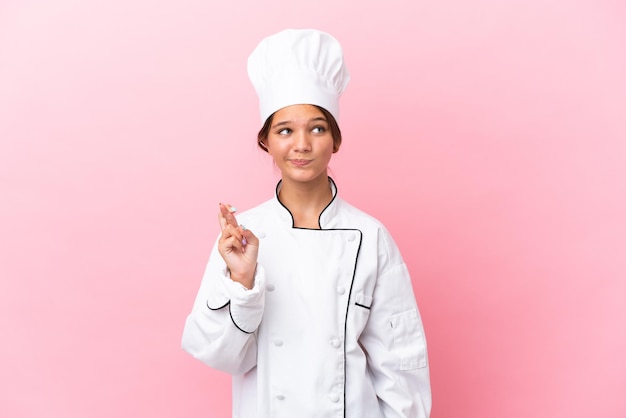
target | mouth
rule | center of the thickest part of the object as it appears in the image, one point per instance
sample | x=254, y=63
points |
x=299, y=162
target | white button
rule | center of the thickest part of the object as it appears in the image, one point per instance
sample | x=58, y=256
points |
x=270, y=287
x=278, y=343
x=333, y=397
x=341, y=290
x=351, y=237
x=335, y=343
x=280, y=397
x=261, y=235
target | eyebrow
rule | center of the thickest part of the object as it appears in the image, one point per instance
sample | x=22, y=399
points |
x=287, y=122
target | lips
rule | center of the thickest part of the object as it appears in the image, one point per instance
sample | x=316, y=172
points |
x=300, y=163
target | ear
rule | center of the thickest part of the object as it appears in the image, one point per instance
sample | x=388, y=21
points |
x=263, y=145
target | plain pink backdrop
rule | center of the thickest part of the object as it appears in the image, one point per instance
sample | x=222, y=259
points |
x=489, y=137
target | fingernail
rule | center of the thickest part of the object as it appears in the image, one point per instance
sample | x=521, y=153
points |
x=232, y=209
x=243, y=227
x=244, y=241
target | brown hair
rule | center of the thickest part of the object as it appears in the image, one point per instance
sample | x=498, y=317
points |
x=332, y=124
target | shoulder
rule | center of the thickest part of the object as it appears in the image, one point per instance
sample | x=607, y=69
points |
x=350, y=214
x=374, y=233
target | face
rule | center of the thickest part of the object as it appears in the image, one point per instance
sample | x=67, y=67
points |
x=301, y=143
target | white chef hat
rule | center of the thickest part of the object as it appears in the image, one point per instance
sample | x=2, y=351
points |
x=298, y=66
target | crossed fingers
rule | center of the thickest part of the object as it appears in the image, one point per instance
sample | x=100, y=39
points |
x=230, y=228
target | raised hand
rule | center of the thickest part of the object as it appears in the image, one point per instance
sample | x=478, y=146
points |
x=238, y=246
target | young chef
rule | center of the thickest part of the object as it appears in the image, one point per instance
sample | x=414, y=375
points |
x=309, y=305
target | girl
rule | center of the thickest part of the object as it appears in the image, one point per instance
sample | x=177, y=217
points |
x=309, y=305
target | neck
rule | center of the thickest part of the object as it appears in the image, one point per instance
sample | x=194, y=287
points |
x=306, y=201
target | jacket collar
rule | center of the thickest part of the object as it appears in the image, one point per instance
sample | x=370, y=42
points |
x=327, y=216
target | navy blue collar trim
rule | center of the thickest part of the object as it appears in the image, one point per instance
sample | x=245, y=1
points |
x=333, y=187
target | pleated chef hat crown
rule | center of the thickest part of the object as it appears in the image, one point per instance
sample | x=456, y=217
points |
x=298, y=66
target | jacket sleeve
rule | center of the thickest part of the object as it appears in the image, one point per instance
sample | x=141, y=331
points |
x=221, y=329
x=396, y=346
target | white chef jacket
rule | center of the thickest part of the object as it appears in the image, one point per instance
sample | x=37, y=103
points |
x=330, y=329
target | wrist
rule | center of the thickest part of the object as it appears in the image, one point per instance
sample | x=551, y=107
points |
x=247, y=280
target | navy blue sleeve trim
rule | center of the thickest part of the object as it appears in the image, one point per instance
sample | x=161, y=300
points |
x=231, y=316
x=217, y=309
x=234, y=323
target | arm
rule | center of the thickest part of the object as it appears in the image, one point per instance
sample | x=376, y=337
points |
x=220, y=331
x=396, y=348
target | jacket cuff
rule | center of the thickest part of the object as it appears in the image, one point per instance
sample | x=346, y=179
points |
x=245, y=305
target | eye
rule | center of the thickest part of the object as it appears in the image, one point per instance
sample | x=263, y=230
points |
x=285, y=131
x=318, y=130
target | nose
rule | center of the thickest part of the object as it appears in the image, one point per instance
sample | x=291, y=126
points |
x=301, y=141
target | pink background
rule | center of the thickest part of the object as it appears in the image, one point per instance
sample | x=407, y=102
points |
x=489, y=136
